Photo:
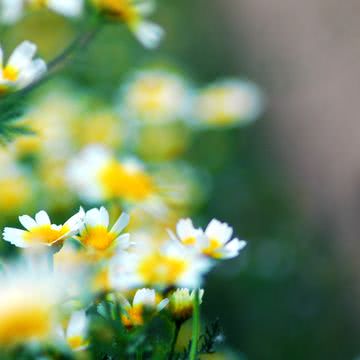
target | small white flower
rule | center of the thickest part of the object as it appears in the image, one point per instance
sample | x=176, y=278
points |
x=95, y=232
x=229, y=103
x=40, y=230
x=76, y=331
x=144, y=299
x=181, y=303
x=214, y=242
x=21, y=69
x=169, y=265
x=156, y=97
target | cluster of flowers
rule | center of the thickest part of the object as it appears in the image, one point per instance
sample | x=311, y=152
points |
x=105, y=261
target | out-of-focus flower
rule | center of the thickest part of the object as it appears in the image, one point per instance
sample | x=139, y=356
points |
x=170, y=265
x=214, y=242
x=40, y=231
x=101, y=126
x=181, y=303
x=228, y=103
x=133, y=14
x=13, y=10
x=76, y=331
x=28, y=306
x=95, y=235
x=21, y=69
x=15, y=186
x=156, y=97
x=144, y=301
x=97, y=176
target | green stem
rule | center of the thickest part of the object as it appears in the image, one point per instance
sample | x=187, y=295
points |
x=139, y=355
x=174, y=341
x=195, y=327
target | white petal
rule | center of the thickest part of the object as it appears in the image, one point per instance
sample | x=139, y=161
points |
x=15, y=237
x=219, y=231
x=32, y=72
x=22, y=55
x=232, y=248
x=162, y=304
x=78, y=324
x=77, y=220
x=92, y=217
x=149, y=34
x=11, y=10
x=144, y=297
x=104, y=215
x=27, y=222
x=71, y=8
x=42, y=218
x=121, y=223
x=123, y=242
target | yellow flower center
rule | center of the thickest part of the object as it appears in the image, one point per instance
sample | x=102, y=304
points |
x=161, y=269
x=46, y=234
x=214, y=245
x=10, y=73
x=98, y=237
x=191, y=240
x=149, y=95
x=122, y=9
x=76, y=341
x=132, y=185
x=133, y=317
x=24, y=321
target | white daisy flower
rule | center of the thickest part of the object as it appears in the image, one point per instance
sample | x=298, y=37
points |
x=40, y=231
x=214, y=242
x=181, y=303
x=156, y=96
x=96, y=235
x=29, y=305
x=170, y=265
x=98, y=176
x=76, y=331
x=21, y=69
x=144, y=300
x=133, y=13
x=229, y=103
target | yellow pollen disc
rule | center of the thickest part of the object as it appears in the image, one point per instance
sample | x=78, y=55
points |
x=191, y=240
x=149, y=95
x=160, y=269
x=133, y=317
x=122, y=9
x=10, y=73
x=214, y=245
x=98, y=237
x=45, y=234
x=76, y=341
x=24, y=322
x=118, y=181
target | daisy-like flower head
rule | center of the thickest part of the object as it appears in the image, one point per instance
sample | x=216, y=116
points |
x=40, y=231
x=96, y=235
x=156, y=96
x=21, y=69
x=98, y=176
x=229, y=103
x=214, y=242
x=29, y=306
x=171, y=265
x=181, y=303
x=133, y=13
x=75, y=333
x=145, y=301
x=13, y=10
